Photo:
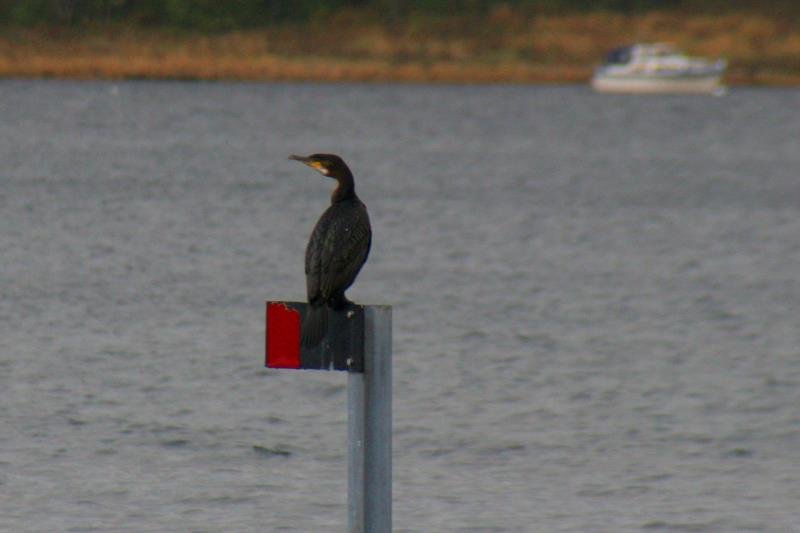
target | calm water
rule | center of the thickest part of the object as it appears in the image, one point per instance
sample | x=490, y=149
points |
x=596, y=302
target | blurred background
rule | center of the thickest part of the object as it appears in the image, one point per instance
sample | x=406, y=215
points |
x=553, y=41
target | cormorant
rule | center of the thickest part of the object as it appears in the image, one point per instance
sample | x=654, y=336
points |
x=337, y=248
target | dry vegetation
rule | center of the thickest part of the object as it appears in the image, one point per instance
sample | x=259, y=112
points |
x=506, y=46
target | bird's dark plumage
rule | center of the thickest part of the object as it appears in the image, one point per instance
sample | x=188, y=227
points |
x=337, y=248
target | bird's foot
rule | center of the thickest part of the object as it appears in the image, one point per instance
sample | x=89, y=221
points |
x=337, y=304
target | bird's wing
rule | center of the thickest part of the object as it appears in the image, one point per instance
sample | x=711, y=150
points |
x=314, y=254
x=344, y=252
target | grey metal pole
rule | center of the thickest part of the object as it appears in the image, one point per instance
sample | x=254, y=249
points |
x=369, y=415
x=355, y=452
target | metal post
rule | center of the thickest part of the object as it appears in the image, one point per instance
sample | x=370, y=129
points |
x=369, y=416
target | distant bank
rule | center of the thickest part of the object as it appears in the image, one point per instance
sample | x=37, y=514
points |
x=504, y=47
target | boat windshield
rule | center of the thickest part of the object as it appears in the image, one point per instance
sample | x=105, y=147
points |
x=619, y=56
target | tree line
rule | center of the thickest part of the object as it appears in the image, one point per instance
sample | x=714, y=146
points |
x=209, y=15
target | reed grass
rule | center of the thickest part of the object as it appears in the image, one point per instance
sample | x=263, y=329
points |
x=506, y=46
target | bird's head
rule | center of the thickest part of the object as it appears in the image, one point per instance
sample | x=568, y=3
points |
x=330, y=165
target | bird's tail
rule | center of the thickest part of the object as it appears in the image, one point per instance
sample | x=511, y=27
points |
x=315, y=326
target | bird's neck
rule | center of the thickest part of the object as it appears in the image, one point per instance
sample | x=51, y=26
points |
x=345, y=190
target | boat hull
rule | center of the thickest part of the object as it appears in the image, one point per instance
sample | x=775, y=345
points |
x=653, y=85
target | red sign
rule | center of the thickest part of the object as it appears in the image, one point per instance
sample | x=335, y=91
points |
x=283, y=336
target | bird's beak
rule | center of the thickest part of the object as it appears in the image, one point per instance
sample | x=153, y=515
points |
x=316, y=165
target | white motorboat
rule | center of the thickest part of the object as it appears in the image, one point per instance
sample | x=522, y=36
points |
x=657, y=68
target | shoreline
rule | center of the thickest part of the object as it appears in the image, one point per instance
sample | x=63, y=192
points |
x=507, y=48
x=309, y=72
